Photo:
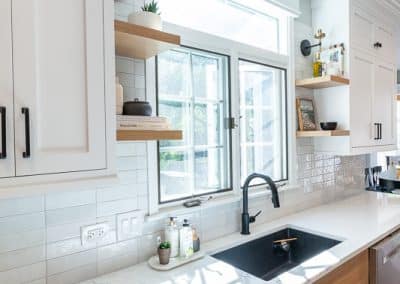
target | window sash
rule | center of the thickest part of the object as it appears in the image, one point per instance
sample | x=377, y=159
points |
x=189, y=147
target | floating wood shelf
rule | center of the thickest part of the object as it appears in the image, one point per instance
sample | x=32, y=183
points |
x=322, y=82
x=140, y=42
x=398, y=97
x=323, y=133
x=136, y=135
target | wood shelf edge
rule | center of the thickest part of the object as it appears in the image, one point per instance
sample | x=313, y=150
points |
x=322, y=133
x=143, y=135
x=322, y=82
x=136, y=30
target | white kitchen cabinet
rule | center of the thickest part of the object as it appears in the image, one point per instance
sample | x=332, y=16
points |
x=384, y=116
x=59, y=78
x=7, y=167
x=366, y=107
x=362, y=72
x=57, y=82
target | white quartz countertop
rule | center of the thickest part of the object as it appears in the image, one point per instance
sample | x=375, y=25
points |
x=358, y=222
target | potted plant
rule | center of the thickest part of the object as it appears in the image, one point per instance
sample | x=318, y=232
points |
x=148, y=17
x=164, y=252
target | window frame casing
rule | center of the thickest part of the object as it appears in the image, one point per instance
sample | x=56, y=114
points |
x=235, y=51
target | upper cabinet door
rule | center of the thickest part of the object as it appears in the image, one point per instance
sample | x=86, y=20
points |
x=362, y=29
x=362, y=66
x=7, y=165
x=384, y=35
x=384, y=103
x=59, y=86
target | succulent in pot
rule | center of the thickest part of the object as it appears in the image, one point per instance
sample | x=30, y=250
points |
x=149, y=16
x=164, y=252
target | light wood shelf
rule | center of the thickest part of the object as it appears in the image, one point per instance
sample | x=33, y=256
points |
x=322, y=82
x=398, y=97
x=142, y=135
x=323, y=133
x=141, y=42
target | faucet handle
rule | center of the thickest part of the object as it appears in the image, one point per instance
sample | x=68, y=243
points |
x=253, y=218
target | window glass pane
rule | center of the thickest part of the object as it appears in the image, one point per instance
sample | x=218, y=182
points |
x=174, y=174
x=236, y=20
x=207, y=124
x=208, y=167
x=263, y=121
x=197, y=103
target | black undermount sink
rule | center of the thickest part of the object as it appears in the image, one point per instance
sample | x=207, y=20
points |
x=265, y=259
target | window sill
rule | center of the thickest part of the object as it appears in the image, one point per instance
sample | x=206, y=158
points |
x=218, y=200
x=173, y=210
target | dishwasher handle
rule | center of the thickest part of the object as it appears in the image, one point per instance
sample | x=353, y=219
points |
x=391, y=254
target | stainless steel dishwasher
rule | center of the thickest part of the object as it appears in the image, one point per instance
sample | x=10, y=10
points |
x=384, y=261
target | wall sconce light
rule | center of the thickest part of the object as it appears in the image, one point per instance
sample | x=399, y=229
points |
x=305, y=45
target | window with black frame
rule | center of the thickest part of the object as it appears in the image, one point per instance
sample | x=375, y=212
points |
x=193, y=92
x=263, y=128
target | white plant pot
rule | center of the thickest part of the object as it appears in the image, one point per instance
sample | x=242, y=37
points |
x=147, y=19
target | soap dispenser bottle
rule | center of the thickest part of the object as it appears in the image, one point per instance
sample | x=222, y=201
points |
x=172, y=236
x=185, y=240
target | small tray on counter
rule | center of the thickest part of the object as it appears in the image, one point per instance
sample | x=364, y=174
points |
x=173, y=262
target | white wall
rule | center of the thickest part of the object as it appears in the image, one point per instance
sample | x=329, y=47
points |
x=39, y=236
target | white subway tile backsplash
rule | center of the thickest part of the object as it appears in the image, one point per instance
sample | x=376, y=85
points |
x=116, y=193
x=70, y=214
x=126, y=80
x=69, y=262
x=118, y=206
x=66, y=247
x=74, y=276
x=22, y=257
x=25, y=274
x=126, y=149
x=118, y=249
x=22, y=240
x=132, y=163
x=9, y=207
x=124, y=65
x=21, y=223
x=70, y=199
x=66, y=231
x=140, y=82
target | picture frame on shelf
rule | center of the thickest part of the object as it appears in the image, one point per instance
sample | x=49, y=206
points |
x=306, y=114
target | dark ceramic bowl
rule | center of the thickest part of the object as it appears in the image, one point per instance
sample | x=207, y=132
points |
x=328, y=125
x=137, y=107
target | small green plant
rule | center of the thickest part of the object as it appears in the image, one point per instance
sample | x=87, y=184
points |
x=151, y=7
x=164, y=245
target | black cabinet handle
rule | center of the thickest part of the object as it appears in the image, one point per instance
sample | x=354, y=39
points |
x=3, y=153
x=377, y=44
x=380, y=131
x=377, y=131
x=27, y=152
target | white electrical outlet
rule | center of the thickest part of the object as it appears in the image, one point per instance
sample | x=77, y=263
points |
x=94, y=233
x=129, y=224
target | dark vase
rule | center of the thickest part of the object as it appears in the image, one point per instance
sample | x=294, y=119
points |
x=137, y=107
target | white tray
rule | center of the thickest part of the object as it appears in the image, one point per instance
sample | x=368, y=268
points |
x=173, y=262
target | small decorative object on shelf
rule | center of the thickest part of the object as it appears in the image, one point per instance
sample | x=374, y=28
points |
x=119, y=96
x=164, y=252
x=196, y=241
x=137, y=107
x=328, y=125
x=148, y=17
x=306, y=114
x=333, y=59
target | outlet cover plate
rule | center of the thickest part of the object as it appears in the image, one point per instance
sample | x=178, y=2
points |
x=93, y=233
x=129, y=224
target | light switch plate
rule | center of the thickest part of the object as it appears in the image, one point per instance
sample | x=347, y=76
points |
x=129, y=224
x=94, y=233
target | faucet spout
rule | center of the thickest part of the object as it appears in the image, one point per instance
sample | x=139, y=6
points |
x=246, y=218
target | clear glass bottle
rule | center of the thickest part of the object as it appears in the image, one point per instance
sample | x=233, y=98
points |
x=172, y=236
x=185, y=240
x=317, y=65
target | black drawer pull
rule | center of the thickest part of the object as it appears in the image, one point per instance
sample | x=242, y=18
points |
x=27, y=152
x=3, y=153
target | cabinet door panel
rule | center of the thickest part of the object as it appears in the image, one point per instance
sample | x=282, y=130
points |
x=384, y=102
x=362, y=29
x=7, y=165
x=59, y=76
x=385, y=36
x=361, y=92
